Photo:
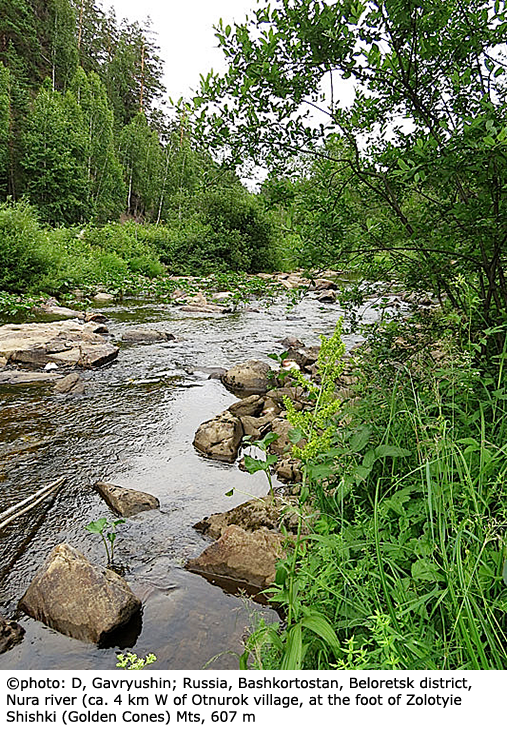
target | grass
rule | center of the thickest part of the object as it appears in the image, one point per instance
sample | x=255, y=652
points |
x=406, y=564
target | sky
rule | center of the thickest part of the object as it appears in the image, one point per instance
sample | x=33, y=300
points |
x=185, y=35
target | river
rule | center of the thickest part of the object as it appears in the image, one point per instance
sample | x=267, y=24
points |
x=134, y=427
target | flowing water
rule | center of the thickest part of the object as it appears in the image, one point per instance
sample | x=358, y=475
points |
x=134, y=427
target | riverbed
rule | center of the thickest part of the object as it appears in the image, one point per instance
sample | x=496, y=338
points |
x=134, y=427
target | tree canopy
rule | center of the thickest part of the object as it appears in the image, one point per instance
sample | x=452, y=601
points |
x=424, y=140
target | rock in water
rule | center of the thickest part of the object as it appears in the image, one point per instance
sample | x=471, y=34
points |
x=78, y=598
x=10, y=634
x=248, y=378
x=124, y=501
x=219, y=438
x=241, y=556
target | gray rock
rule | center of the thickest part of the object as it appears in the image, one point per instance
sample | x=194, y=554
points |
x=219, y=438
x=14, y=378
x=103, y=297
x=248, y=378
x=146, y=335
x=10, y=634
x=124, y=501
x=68, y=342
x=78, y=598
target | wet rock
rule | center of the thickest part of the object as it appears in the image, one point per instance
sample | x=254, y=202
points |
x=146, y=335
x=103, y=297
x=255, y=427
x=249, y=406
x=95, y=317
x=199, y=303
x=51, y=307
x=68, y=342
x=15, y=378
x=124, y=501
x=3, y=362
x=327, y=297
x=242, y=556
x=215, y=373
x=250, y=516
x=10, y=634
x=321, y=285
x=220, y=437
x=248, y=378
x=288, y=469
x=78, y=598
x=303, y=356
x=292, y=342
x=71, y=384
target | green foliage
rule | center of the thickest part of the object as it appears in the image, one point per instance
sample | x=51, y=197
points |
x=106, y=529
x=130, y=661
x=407, y=557
x=430, y=191
x=23, y=258
x=253, y=464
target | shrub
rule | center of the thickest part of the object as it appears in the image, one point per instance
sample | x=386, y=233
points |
x=23, y=255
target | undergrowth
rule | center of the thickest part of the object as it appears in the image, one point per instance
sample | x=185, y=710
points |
x=406, y=566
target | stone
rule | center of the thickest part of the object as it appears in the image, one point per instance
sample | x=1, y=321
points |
x=10, y=634
x=78, y=598
x=303, y=356
x=282, y=445
x=71, y=384
x=103, y=297
x=125, y=501
x=249, y=406
x=292, y=342
x=242, y=556
x=220, y=437
x=248, y=378
x=321, y=285
x=146, y=335
x=288, y=469
x=327, y=297
x=252, y=515
x=15, y=378
x=256, y=426
x=67, y=342
x=51, y=307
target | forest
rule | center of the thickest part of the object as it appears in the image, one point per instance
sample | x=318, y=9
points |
x=381, y=128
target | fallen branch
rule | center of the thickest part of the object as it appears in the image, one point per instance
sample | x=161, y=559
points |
x=30, y=502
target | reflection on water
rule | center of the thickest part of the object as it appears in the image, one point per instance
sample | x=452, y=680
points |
x=135, y=427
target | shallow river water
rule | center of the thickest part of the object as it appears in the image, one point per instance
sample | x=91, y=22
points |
x=134, y=427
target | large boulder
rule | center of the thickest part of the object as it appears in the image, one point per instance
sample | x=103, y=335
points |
x=220, y=437
x=241, y=556
x=248, y=378
x=69, y=343
x=78, y=598
x=10, y=634
x=124, y=501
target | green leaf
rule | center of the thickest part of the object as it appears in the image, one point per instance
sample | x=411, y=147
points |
x=388, y=450
x=295, y=435
x=97, y=526
x=504, y=572
x=360, y=439
x=317, y=623
x=425, y=570
x=253, y=465
x=230, y=493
